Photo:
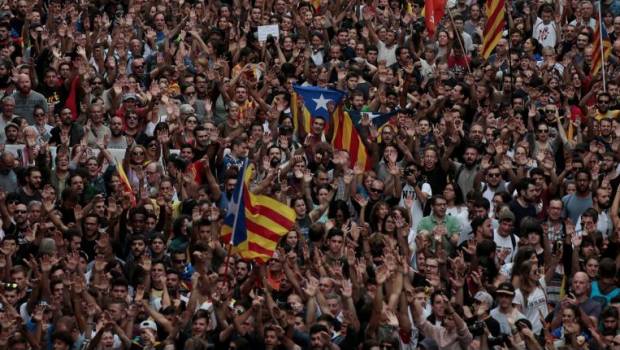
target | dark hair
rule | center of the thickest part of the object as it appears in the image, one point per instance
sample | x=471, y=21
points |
x=523, y=184
x=336, y=205
x=607, y=268
x=64, y=337
x=318, y=328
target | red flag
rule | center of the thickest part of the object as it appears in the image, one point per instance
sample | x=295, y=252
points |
x=433, y=12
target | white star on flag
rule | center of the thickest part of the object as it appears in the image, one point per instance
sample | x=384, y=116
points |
x=321, y=102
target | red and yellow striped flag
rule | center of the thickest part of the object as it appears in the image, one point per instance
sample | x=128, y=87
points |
x=494, y=27
x=255, y=223
x=597, y=59
x=125, y=183
x=305, y=117
x=346, y=138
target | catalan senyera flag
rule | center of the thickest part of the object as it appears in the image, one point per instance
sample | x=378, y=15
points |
x=597, y=59
x=347, y=138
x=125, y=183
x=433, y=12
x=494, y=27
x=305, y=118
x=255, y=223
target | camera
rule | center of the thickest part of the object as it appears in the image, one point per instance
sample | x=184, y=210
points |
x=477, y=329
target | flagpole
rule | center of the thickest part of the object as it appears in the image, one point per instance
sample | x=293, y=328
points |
x=459, y=38
x=602, y=46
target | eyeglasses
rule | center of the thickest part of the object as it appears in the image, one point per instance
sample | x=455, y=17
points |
x=20, y=212
x=543, y=130
x=376, y=190
x=137, y=153
x=494, y=174
x=603, y=102
x=191, y=121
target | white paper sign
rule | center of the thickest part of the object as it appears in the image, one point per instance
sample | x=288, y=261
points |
x=265, y=31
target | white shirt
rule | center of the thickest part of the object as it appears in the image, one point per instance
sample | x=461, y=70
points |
x=546, y=34
x=505, y=242
x=536, y=301
x=386, y=53
x=416, y=211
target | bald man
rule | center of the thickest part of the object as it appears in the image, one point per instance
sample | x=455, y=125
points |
x=27, y=99
x=579, y=294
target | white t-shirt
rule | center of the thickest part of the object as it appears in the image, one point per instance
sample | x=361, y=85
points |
x=416, y=210
x=505, y=242
x=505, y=320
x=546, y=34
x=536, y=301
x=386, y=53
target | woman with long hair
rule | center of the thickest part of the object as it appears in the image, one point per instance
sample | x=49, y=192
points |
x=456, y=207
x=530, y=297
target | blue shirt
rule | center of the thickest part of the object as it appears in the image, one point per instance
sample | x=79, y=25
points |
x=604, y=299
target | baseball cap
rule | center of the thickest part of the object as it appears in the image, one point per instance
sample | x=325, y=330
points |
x=484, y=297
x=130, y=96
x=148, y=324
x=505, y=288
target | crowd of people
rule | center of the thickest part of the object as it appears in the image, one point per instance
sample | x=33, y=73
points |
x=488, y=219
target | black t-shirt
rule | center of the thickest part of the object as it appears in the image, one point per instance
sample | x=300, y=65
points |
x=437, y=178
x=520, y=213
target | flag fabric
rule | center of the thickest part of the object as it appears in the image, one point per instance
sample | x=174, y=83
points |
x=347, y=138
x=316, y=4
x=433, y=12
x=255, y=223
x=316, y=99
x=125, y=183
x=597, y=59
x=494, y=27
x=305, y=118
x=380, y=119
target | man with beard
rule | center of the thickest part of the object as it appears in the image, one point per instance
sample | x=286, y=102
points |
x=30, y=191
x=492, y=183
x=68, y=133
x=603, y=102
x=523, y=205
x=576, y=203
x=118, y=139
x=27, y=99
x=11, y=132
x=465, y=173
x=51, y=86
x=601, y=202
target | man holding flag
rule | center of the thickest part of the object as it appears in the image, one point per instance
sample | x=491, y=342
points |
x=255, y=223
x=325, y=105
